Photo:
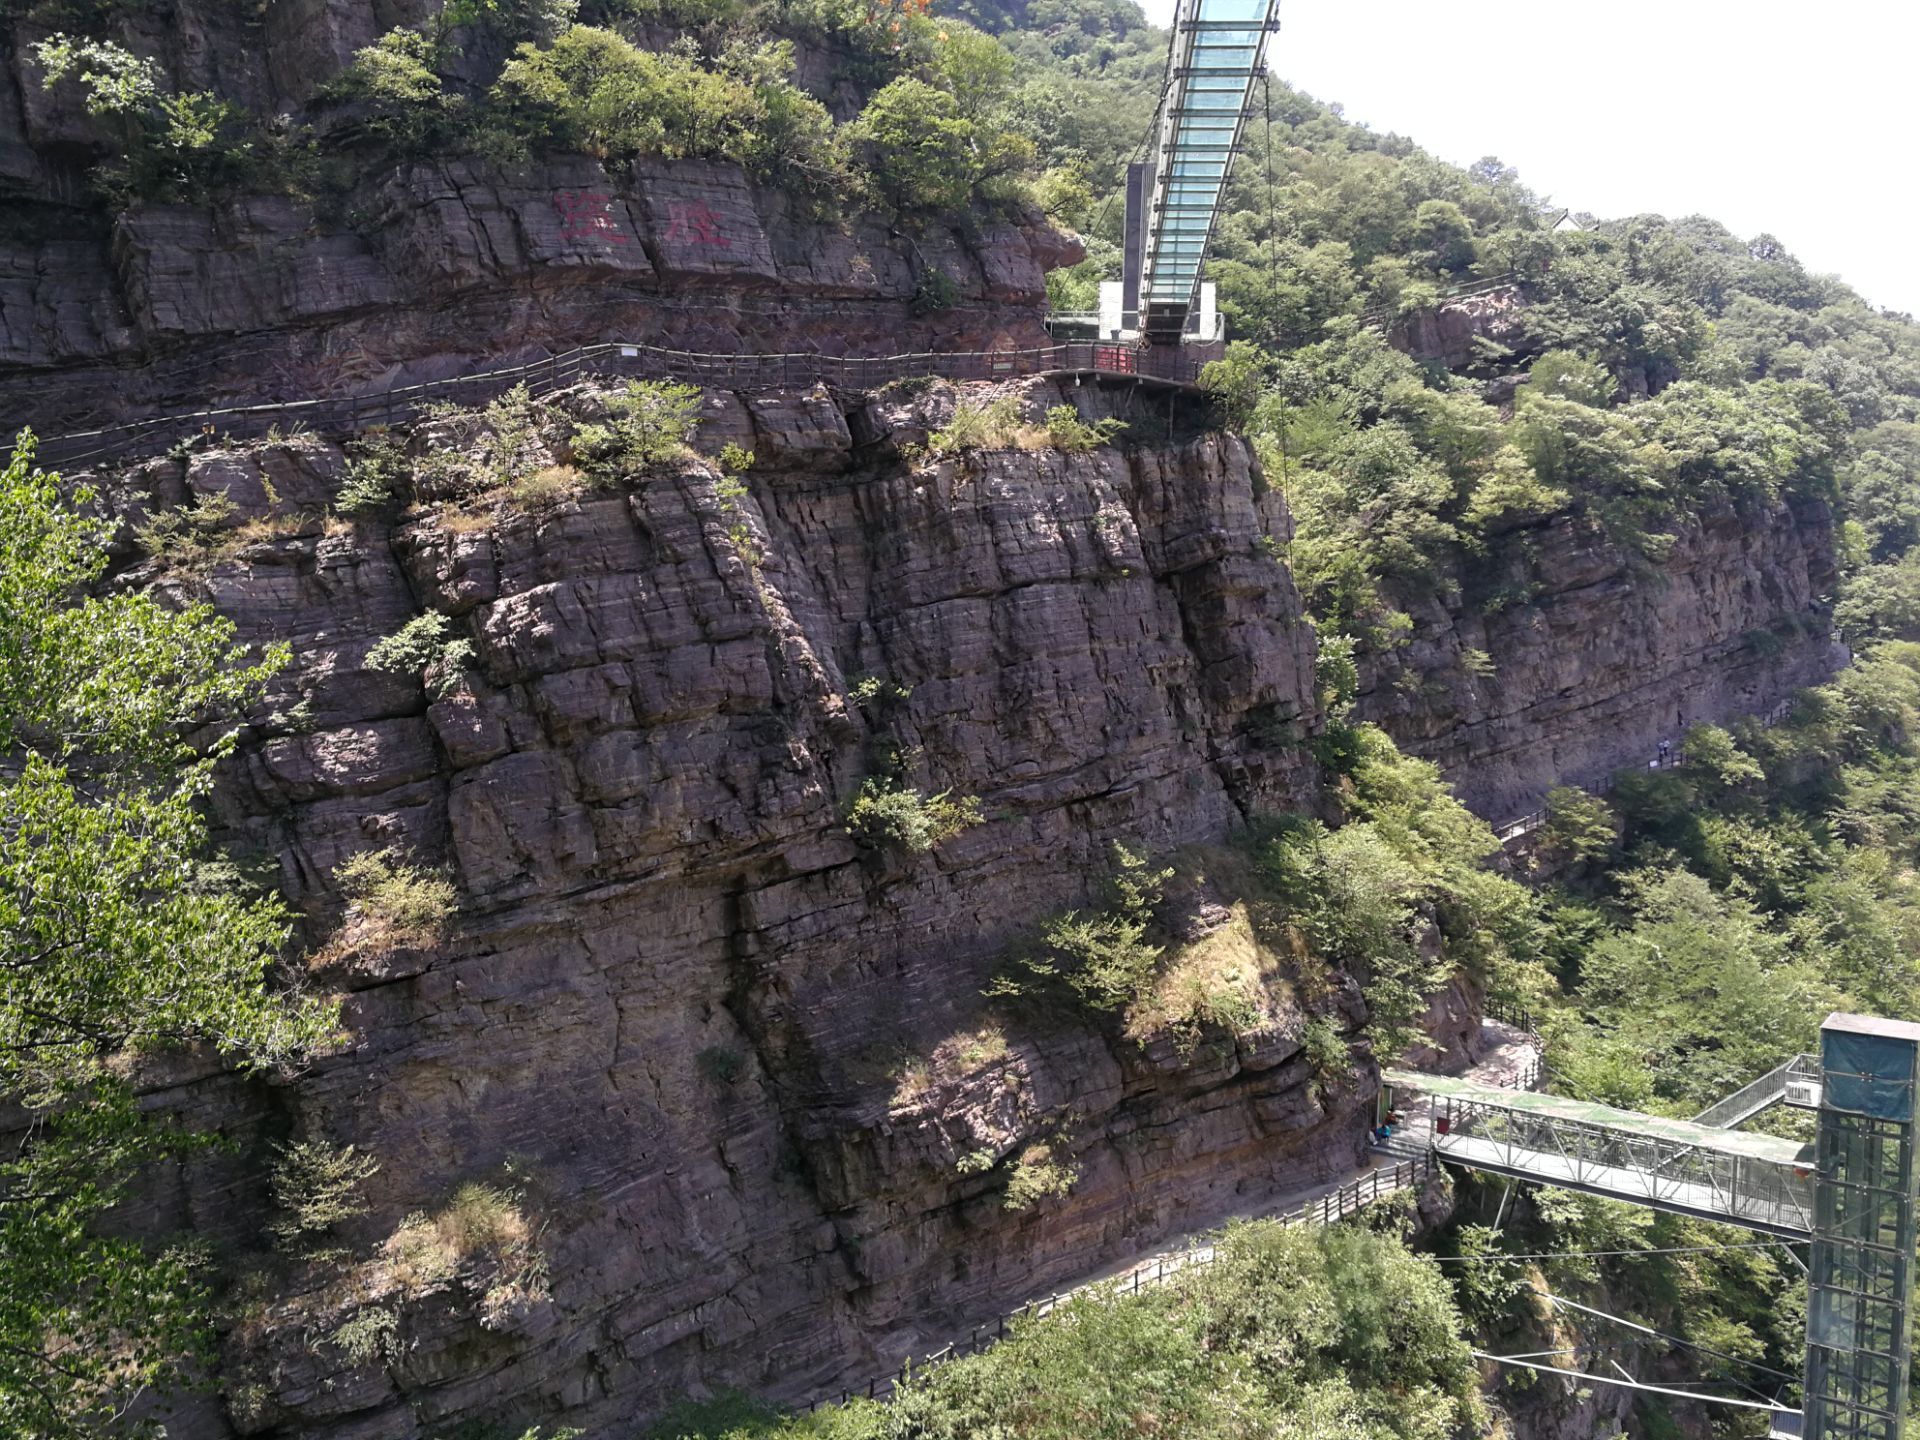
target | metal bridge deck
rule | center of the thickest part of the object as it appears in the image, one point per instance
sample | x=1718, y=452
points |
x=1759, y=1182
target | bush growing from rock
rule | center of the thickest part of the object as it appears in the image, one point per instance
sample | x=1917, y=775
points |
x=424, y=647
x=886, y=815
x=1103, y=957
x=1037, y=1176
x=315, y=1187
x=648, y=424
x=1067, y=431
x=375, y=464
x=403, y=903
x=371, y=1334
x=978, y=425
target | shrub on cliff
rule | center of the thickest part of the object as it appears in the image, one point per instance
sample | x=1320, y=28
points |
x=1067, y=431
x=928, y=154
x=315, y=1187
x=889, y=815
x=395, y=902
x=595, y=90
x=172, y=146
x=1103, y=958
x=395, y=83
x=428, y=648
x=648, y=424
x=992, y=424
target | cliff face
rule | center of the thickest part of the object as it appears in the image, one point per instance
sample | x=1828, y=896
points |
x=1460, y=333
x=741, y=1058
x=417, y=270
x=1588, y=656
x=456, y=266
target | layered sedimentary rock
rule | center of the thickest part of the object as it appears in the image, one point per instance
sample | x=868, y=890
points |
x=415, y=270
x=740, y=1057
x=1573, y=656
x=457, y=265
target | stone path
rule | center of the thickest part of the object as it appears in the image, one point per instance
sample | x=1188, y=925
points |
x=1510, y=1060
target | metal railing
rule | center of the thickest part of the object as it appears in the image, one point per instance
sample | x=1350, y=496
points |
x=1640, y=1167
x=1667, y=759
x=1517, y=1016
x=1749, y=1100
x=345, y=414
x=1328, y=1209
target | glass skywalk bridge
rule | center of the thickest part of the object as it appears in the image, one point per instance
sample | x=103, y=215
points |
x=1218, y=52
x=1174, y=195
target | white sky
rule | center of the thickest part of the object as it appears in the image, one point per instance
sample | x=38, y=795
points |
x=1802, y=120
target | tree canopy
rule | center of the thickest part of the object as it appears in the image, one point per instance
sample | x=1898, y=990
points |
x=121, y=935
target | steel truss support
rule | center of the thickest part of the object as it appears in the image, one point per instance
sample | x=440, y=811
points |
x=1860, y=1274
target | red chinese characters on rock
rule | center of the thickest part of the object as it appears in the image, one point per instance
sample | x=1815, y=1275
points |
x=588, y=215
x=693, y=223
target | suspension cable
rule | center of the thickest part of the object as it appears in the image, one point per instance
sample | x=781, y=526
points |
x=1601, y=1254
x=1633, y=1384
x=1671, y=1339
x=1273, y=215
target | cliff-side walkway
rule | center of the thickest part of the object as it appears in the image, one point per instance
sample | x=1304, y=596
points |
x=1166, y=368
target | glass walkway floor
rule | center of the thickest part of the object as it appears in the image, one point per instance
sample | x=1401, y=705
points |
x=1217, y=53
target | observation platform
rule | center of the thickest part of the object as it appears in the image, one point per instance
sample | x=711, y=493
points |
x=1758, y=1182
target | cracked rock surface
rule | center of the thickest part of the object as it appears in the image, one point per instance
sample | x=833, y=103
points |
x=731, y=1045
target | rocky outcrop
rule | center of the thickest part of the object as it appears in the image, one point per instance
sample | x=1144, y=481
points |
x=1571, y=657
x=767, y=1117
x=1469, y=331
x=396, y=271
x=456, y=265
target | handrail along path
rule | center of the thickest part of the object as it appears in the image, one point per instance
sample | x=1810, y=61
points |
x=343, y=414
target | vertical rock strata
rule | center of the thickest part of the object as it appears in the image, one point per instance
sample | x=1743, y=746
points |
x=731, y=1047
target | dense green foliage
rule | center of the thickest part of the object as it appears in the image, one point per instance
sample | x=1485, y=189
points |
x=121, y=934
x=1763, y=882
x=1684, y=368
x=1369, y=899
x=945, y=125
x=1292, y=1334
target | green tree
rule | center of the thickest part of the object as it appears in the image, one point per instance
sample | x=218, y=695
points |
x=1442, y=236
x=118, y=937
x=396, y=81
x=593, y=89
x=173, y=145
x=929, y=154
